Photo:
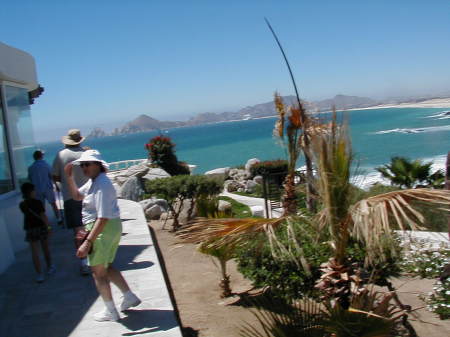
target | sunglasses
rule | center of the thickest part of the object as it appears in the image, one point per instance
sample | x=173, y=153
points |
x=86, y=164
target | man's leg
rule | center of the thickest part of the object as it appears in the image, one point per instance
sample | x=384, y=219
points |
x=72, y=213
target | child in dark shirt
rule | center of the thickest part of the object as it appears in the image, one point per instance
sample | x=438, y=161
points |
x=36, y=227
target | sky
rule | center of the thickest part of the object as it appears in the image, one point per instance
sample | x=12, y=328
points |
x=103, y=63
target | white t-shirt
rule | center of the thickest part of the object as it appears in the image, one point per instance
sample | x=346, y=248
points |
x=100, y=199
x=62, y=158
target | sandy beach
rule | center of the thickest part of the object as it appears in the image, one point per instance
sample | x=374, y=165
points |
x=431, y=103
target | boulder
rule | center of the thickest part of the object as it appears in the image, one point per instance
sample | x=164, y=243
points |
x=232, y=186
x=147, y=203
x=224, y=206
x=154, y=212
x=131, y=189
x=258, y=180
x=219, y=173
x=241, y=190
x=257, y=211
x=139, y=171
x=250, y=186
x=155, y=173
x=250, y=163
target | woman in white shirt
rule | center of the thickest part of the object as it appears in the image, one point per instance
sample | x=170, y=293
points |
x=101, y=217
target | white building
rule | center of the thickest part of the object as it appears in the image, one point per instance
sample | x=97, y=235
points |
x=18, y=88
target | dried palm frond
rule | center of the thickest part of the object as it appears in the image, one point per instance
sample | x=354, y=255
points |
x=281, y=109
x=221, y=232
x=295, y=118
x=375, y=217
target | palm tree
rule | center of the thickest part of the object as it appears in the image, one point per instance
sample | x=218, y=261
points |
x=223, y=255
x=405, y=173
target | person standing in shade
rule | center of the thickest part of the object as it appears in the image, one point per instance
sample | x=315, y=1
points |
x=101, y=218
x=72, y=208
x=40, y=175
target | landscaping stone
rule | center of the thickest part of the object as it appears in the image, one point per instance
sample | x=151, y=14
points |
x=232, y=186
x=224, y=206
x=250, y=186
x=250, y=163
x=258, y=180
x=154, y=212
x=147, y=203
x=155, y=173
x=131, y=189
x=257, y=211
x=219, y=172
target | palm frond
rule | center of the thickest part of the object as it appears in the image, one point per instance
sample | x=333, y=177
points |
x=222, y=232
x=375, y=217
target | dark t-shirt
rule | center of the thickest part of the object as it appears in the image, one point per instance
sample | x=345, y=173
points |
x=32, y=209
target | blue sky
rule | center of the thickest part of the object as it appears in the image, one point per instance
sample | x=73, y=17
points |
x=105, y=62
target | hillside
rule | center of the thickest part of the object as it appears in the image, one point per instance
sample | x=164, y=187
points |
x=146, y=123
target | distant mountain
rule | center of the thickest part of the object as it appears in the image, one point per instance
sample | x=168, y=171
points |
x=147, y=123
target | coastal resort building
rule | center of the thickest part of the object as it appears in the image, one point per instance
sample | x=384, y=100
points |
x=18, y=89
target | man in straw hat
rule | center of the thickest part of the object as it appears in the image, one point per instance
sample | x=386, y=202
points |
x=72, y=208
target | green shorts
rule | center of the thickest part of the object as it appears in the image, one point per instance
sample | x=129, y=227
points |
x=106, y=244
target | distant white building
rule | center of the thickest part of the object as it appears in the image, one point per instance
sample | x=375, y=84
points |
x=18, y=88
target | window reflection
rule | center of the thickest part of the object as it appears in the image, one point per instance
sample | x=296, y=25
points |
x=6, y=182
x=21, y=131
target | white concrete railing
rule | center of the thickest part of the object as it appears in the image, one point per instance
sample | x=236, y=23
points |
x=124, y=164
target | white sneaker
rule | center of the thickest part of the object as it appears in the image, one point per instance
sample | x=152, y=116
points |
x=51, y=270
x=107, y=316
x=130, y=301
x=40, y=278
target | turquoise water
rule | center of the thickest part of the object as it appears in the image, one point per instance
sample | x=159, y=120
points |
x=233, y=143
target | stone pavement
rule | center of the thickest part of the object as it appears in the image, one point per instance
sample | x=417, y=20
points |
x=63, y=305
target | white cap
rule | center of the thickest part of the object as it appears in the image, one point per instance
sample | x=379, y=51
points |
x=91, y=155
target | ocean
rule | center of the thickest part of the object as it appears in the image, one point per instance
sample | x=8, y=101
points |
x=377, y=135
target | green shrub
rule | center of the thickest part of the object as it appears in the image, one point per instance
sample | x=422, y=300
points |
x=285, y=277
x=438, y=301
x=269, y=166
x=161, y=151
x=238, y=210
x=179, y=188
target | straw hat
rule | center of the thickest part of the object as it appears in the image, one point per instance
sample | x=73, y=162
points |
x=73, y=137
x=91, y=155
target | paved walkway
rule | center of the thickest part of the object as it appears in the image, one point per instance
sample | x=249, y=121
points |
x=63, y=305
x=251, y=202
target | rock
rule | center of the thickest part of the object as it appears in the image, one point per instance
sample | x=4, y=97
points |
x=183, y=217
x=232, y=186
x=154, y=212
x=156, y=173
x=250, y=163
x=224, y=206
x=131, y=189
x=139, y=171
x=258, y=180
x=165, y=216
x=219, y=172
x=257, y=211
x=250, y=186
x=147, y=203
x=241, y=190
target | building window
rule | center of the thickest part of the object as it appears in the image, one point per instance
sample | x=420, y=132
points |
x=6, y=181
x=20, y=130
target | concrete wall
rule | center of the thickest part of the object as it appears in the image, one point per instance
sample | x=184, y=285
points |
x=17, y=66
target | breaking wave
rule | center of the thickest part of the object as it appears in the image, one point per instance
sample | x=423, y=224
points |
x=415, y=130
